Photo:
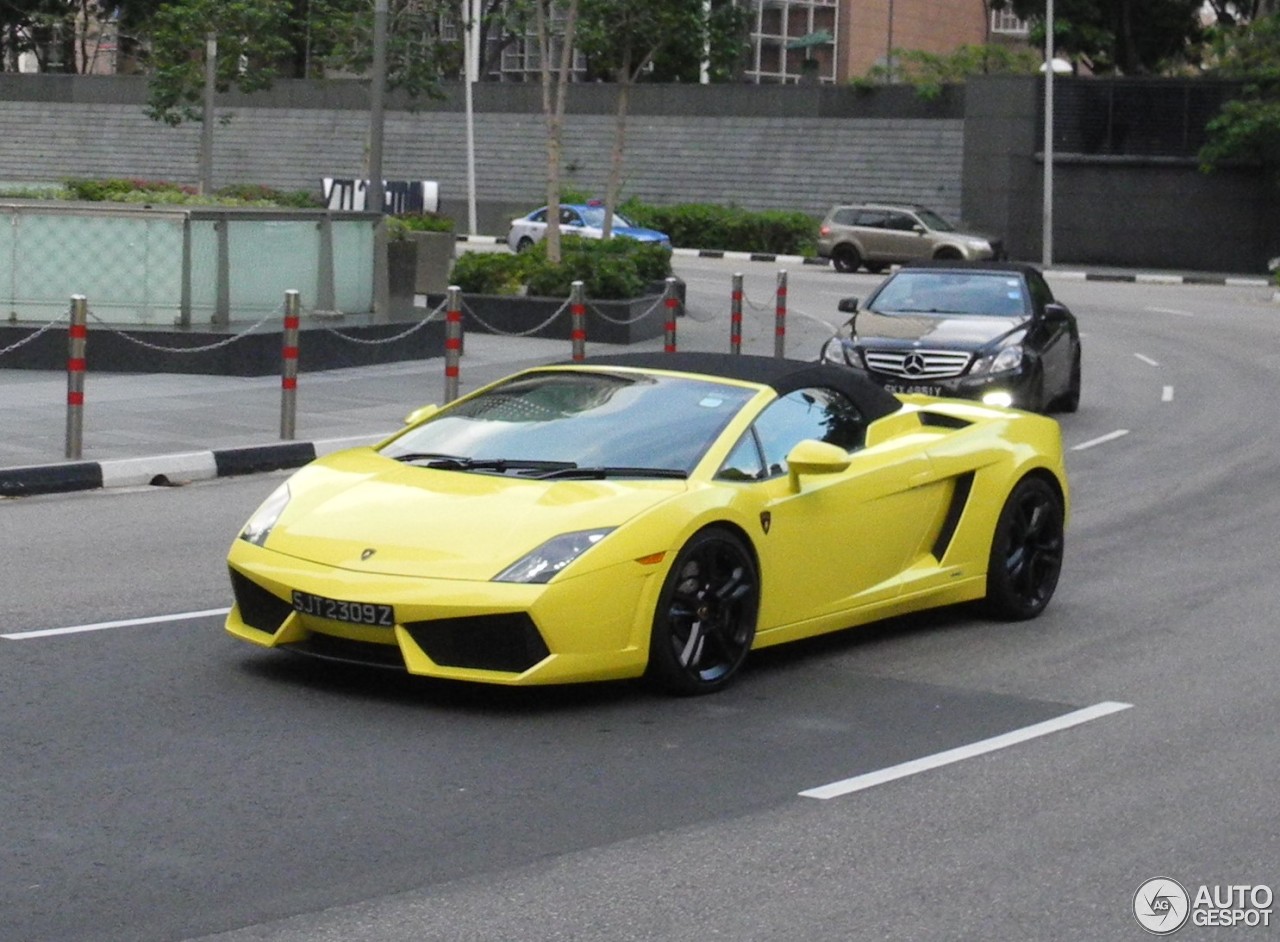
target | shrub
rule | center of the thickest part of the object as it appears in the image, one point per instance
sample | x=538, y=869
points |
x=398, y=227
x=730, y=228
x=488, y=273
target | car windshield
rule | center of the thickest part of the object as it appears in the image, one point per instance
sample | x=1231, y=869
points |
x=997, y=294
x=594, y=216
x=934, y=221
x=578, y=419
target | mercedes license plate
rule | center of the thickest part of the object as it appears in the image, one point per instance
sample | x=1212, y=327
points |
x=353, y=613
x=917, y=390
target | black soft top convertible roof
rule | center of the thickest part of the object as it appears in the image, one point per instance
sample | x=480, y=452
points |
x=783, y=375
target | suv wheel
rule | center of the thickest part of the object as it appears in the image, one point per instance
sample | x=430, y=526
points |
x=846, y=258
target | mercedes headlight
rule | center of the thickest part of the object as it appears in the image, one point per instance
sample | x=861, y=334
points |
x=542, y=564
x=264, y=518
x=1004, y=360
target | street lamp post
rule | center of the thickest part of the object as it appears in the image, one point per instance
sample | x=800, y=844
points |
x=1046, y=238
x=374, y=194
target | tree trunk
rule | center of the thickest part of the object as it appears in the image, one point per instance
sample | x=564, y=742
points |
x=613, y=188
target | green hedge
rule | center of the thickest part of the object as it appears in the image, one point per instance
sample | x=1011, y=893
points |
x=609, y=270
x=729, y=228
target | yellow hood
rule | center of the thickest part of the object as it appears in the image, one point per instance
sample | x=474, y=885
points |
x=422, y=522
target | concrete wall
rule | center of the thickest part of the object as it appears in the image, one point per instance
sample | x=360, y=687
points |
x=1142, y=211
x=975, y=154
x=758, y=147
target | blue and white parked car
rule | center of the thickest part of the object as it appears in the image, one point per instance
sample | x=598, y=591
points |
x=578, y=219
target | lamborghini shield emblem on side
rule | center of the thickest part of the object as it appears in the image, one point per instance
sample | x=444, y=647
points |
x=766, y=521
x=367, y=553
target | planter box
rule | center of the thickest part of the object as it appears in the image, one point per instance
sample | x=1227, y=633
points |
x=617, y=322
x=436, y=254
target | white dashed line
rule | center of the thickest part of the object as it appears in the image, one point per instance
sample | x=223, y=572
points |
x=104, y=625
x=871, y=779
x=1146, y=359
x=1167, y=394
x=1170, y=310
x=1109, y=437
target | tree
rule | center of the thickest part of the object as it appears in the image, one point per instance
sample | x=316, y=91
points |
x=1247, y=127
x=251, y=37
x=554, y=99
x=1129, y=37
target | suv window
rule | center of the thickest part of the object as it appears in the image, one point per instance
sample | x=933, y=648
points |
x=900, y=222
x=844, y=217
x=872, y=218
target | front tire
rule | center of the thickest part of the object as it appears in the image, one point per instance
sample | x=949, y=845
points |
x=1026, y=552
x=705, y=620
x=524, y=244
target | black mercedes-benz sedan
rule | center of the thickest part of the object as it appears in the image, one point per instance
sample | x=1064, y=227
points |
x=990, y=331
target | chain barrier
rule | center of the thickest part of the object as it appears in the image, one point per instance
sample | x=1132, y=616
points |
x=624, y=321
x=61, y=318
x=201, y=349
x=400, y=336
x=507, y=333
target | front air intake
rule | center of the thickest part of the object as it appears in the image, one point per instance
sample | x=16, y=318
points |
x=258, y=607
x=509, y=643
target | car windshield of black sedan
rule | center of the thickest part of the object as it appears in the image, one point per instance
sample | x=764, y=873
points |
x=577, y=419
x=997, y=294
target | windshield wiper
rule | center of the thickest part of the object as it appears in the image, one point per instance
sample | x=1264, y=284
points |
x=614, y=471
x=443, y=462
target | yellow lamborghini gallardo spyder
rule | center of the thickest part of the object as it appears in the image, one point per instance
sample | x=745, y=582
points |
x=651, y=514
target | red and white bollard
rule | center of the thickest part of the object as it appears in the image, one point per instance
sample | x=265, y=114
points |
x=735, y=314
x=452, y=341
x=780, y=320
x=672, y=303
x=77, y=339
x=578, y=322
x=289, y=364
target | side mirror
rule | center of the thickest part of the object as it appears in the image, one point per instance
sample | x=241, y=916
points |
x=814, y=457
x=420, y=413
x=1053, y=311
x=918, y=229
x=847, y=306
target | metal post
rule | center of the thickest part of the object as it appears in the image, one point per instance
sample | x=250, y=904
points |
x=735, y=314
x=77, y=338
x=780, y=320
x=578, y=315
x=1046, y=236
x=375, y=196
x=672, y=303
x=289, y=365
x=452, y=341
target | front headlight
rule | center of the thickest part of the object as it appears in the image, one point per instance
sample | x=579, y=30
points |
x=981, y=245
x=264, y=518
x=1003, y=360
x=552, y=556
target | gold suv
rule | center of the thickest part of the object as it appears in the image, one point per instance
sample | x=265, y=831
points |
x=877, y=235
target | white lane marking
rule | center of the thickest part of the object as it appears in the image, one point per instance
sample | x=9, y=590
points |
x=1004, y=741
x=104, y=625
x=1171, y=310
x=1167, y=394
x=1102, y=439
x=1146, y=359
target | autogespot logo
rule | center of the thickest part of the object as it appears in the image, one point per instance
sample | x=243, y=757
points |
x=1161, y=905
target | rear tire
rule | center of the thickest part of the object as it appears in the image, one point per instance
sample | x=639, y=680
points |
x=846, y=259
x=705, y=621
x=948, y=254
x=524, y=244
x=1026, y=552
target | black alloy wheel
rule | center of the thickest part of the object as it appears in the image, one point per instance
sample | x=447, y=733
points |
x=846, y=258
x=1026, y=551
x=706, y=616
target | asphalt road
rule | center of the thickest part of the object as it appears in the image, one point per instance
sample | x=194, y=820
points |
x=163, y=782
